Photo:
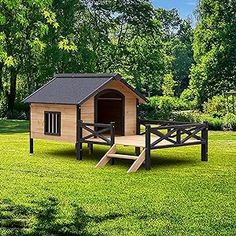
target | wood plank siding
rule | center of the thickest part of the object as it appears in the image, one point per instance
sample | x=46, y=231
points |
x=68, y=121
x=87, y=109
x=68, y=115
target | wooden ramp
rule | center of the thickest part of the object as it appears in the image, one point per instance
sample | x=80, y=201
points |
x=111, y=154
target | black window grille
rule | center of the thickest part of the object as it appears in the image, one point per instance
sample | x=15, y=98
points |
x=52, y=123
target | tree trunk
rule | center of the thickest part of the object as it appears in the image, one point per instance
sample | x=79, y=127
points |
x=1, y=78
x=11, y=95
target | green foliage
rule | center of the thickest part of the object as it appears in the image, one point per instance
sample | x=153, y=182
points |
x=188, y=96
x=146, y=63
x=214, y=50
x=22, y=43
x=67, y=45
x=230, y=121
x=226, y=122
x=9, y=61
x=56, y=194
x=50, y=17
x=129, y=37
x=168, y=85
x=216, y=106
x=178, y=39
x=163, y=107
x=213, y=123
x=2, y=106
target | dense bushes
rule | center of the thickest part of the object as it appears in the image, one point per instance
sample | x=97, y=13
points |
x=230, y=121
x=163, y=107
x=216, y=107
x=215, y=112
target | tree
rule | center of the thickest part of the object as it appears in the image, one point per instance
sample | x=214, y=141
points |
x=123, y=36
x=214, y=49
x=177, y=36
x=40, y=38
x=22, y=27
x=168, y=85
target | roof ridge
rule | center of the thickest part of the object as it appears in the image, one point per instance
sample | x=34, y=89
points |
x=85, y=75
x=72, y=90
x=86, y=98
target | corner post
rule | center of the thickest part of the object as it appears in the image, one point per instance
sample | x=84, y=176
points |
x=112, y=138
x=112, y=133
x=31, y=140
x=137, y=149
x=178, y=136
x=90, y=148
x=79, y=135
x=204, y=145
x=148, y=147
x=31, y=146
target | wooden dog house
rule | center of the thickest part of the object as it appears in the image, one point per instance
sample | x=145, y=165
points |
x=103, y=109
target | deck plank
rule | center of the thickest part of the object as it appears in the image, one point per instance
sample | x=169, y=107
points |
x=135, y=141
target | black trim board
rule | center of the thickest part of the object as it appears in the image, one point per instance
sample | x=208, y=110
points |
x=78, y=118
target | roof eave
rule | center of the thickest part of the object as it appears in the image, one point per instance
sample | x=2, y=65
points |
x=119, y=77
x=115, y=77
x=28, y=97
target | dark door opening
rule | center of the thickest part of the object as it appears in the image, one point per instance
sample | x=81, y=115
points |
x=109, y=107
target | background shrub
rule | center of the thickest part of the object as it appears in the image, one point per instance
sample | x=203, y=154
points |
x=216, y=107
x=214, y=123
x=230, y=121
x=163, y=108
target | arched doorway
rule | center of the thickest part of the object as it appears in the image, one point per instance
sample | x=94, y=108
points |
x=109, y=107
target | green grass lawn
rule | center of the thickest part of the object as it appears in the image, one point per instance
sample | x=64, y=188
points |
x=51, y=193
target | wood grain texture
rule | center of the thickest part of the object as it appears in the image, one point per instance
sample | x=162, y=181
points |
x=68, y=115
x=87, y=109
x=139, y=161
x=68, y=121
x=105, y=159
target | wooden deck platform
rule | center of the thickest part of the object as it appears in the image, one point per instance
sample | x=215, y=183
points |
x=139, y=141
x=156, y=135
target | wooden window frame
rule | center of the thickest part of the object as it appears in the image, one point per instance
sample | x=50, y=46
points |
x=58, y=125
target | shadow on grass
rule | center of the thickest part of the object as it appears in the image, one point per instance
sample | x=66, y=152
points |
x=71, y=154
x=45, y=218
x=168, y=162
x=158, y=161
x=13, y=126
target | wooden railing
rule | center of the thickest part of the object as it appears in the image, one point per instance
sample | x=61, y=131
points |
x=172, y=134
x=104, y=132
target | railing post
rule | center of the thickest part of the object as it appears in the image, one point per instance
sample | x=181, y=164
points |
x=204, y=146
x=90, y=148
x=31, y=146
x=178, y=136
x=31, y=140
x=148, y=147
x=112, y=133
x=112, y=139
x=79, y=154
x=137, y=149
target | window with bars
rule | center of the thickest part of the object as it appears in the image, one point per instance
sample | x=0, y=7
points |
x=52, y=123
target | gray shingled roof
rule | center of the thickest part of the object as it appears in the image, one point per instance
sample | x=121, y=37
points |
x=73, y=88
